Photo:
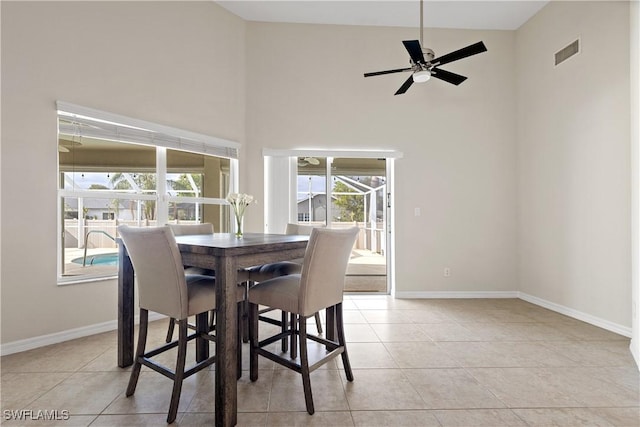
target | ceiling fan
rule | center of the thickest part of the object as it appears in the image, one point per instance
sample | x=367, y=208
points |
x=65, y=145
x=424, y=64
x=304, y=161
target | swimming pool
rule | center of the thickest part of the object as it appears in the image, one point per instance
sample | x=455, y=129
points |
x=99, y=259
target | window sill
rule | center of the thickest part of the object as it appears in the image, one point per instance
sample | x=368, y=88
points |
x=80, y=280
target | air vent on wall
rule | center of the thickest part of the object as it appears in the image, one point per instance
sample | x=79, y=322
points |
x=567, y=52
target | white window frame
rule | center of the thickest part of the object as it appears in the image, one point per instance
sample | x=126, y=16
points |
x=127, y=129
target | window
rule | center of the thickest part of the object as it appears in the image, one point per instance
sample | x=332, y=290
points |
x=115, y=170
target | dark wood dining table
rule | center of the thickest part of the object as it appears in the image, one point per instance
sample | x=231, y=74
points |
x=224, y=253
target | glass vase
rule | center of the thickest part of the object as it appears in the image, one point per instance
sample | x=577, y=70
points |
x=239, y=225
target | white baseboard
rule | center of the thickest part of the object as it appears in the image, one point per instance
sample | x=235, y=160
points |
x=456, y=294
x=576, y=314
x=71, y=334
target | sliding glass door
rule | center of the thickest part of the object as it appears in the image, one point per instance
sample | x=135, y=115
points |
x=347, y=192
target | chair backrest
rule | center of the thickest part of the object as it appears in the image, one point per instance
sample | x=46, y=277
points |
x=160, y=275
x=187, y=229
x=301, y=229
x=324, y=268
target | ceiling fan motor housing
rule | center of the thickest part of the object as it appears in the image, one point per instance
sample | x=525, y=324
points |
x=428, y=54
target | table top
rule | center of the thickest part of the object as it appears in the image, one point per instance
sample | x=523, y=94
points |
x=225, y=244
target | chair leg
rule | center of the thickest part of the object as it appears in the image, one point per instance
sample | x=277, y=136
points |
x=172, y=323
x=142, y=342
x=342, y=342
x=212, y=320
x=253, y=342
x=179, y=373
x=283, y=328
x=245, y=312
x=240, y=324
x=304, y=365
x=318, y=322
x=294, y=336
x=330, y=333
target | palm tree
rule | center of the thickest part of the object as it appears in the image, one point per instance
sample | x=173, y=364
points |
x=351, y=207
x=145, y=182
x=183, y=185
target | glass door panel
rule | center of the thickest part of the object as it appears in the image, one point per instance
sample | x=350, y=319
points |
x=357, y=190
x=358, y=199
x=311, y=196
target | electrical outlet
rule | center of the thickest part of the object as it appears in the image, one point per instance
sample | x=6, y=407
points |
x=447, y=272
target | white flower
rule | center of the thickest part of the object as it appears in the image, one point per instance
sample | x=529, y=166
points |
x=239, y=202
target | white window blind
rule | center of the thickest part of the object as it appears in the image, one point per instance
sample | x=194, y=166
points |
x=87, y=122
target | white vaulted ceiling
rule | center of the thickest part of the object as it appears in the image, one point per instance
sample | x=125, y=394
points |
x=490, y=15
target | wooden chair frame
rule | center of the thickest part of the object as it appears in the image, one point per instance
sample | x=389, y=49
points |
x=179, y=374
x=297, y=328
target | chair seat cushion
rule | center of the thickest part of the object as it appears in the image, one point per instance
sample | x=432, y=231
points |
x=243, y=274
x=276, y=269
x=197, y=271
x=202, y=293
x=280, y=292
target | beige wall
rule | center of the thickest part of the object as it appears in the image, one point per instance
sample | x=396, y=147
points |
x=523, y=184
x=573, y=159
x=306, y=89
x=175, y=63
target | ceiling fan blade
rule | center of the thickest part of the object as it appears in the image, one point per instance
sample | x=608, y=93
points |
x=406, y=85
x=379, y=73
x=460, y=54
x=447, y=76
x=415, y=51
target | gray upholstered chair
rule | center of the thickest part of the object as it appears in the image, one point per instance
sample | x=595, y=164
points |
x=320, y=285
x=283, y=268
x=194, y=229
x=185, y=230
x=164, y=288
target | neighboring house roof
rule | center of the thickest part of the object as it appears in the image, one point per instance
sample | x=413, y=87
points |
x=305, y=199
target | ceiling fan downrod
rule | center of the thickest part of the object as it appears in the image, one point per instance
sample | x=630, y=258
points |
x=421, y=22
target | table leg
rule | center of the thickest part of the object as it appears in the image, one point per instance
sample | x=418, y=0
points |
x=226, y=342
x=125, y=308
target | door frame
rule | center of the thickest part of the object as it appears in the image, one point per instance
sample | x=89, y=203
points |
x=280, y=166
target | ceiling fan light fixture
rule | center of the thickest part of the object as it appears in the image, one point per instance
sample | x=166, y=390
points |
x=421, y=76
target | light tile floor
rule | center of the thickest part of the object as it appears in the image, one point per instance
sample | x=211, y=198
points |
x=488, y=362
